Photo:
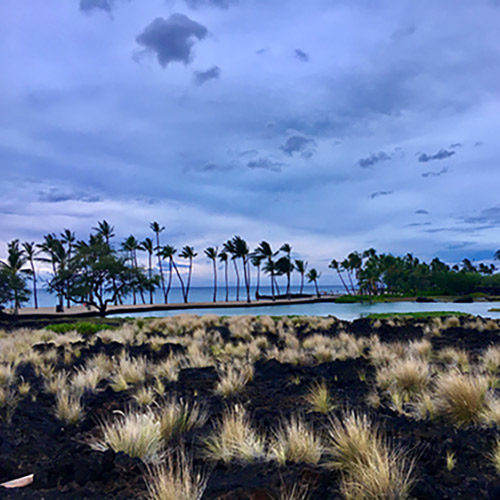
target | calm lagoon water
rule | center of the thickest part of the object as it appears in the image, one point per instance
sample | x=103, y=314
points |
x=342, y=311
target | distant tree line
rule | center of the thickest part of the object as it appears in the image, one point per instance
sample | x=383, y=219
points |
x=369, y=273
x=99, y=271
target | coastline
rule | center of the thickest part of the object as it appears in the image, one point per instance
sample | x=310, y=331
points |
x=87, y=312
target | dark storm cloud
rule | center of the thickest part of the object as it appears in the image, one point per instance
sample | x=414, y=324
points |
x=444, y=170
x=223, y=4
x=301, y=55
x=299, y=143
x=421, y=212
x=55, y=195
x=442, y=154
x=89, y=5
x=172, y=39
x=373, y=159
x=487, y=215
x=266, y=164
x=380, y=193
x=201, y=77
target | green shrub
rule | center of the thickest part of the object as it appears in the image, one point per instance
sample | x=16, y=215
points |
x=82, y=327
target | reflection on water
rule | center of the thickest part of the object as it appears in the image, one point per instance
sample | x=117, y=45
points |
x=341, y=311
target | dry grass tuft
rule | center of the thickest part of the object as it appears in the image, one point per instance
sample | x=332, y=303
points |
x=177, y=417
x=232, y=380
x=495, y=456
x=408, y=376
x=69, y=407
x=461, y=398
x=371, y=468
x=319, y=398
x=176, y=480
x=490, y=359
x=295, y=441
x=234, y=438
x=135, y=433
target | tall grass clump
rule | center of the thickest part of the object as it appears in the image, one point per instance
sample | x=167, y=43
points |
x=234, y=438
x=370, y=467
x=295, y=441
x=138, y=434
x=319, y=398
x=176, y=479
x=461, y=397
x=177, y=417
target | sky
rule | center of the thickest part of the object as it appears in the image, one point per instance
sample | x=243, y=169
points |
x=333, y=125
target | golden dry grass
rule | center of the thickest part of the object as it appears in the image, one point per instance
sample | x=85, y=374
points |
x=234, y=438
x=296, y=441
x=319, y=398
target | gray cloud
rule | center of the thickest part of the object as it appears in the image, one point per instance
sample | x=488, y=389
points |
x=487, y=215
x=444, y=170
x=301, y=55
x=222, y=4
x=55, y=195
x=373, y=159
x=172, y=39
x=201, y=77
x=421, y=212
x=403, y=32
x=440, y=155
x=89, y=5
x=456, y=145
x=266, y=164
x=299, y=143
x=418, y=224
x=261, y=51
x=380, y=193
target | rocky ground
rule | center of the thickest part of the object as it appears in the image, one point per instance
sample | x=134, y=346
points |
x=33, y=440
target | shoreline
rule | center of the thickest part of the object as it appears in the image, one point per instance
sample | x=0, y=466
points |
x=85, y=312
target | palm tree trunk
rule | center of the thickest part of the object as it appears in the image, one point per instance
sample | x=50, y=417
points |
x=180, y=280
x=35, y=296
x=272, y=284
x=169, y=281
x=188, y=284
x=245, y=273
x=258, y=282
x=237, y=280
x=215, y=279
x=343, y=282
x=227, y=282
x=160, y=266
x=352, y=284
x=150, y=273
x=141, y=291
x=301, y=283
x=316, y=285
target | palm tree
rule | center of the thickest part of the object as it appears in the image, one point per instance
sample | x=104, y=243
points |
x=265, y=251
x=230, y=250
x=335, y=265
x=31, y=251
x=14, y=271
x=355, y=263
x=256, y=261
x=284, y=266
x=346, y=266
x=242, y=251
x=301, y=267
x=157, y=229
x=188, y=253
x=223, y=257
x=105, y=230
x=287, y=266
x=131, y=245
x=313, y=277
x=57, y=257
x=148, y=246
x=212, y=253
x=168, y=252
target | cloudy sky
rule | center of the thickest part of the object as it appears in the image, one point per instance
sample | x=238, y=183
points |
x=331, y=124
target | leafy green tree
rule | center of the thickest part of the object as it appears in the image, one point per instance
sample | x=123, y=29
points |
x=13, y=276
x=212, y=253
x=96, y=275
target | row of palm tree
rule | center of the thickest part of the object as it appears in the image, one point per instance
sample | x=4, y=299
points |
x=61, y=253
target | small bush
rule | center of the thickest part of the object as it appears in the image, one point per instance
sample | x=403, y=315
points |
x=82, y=327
